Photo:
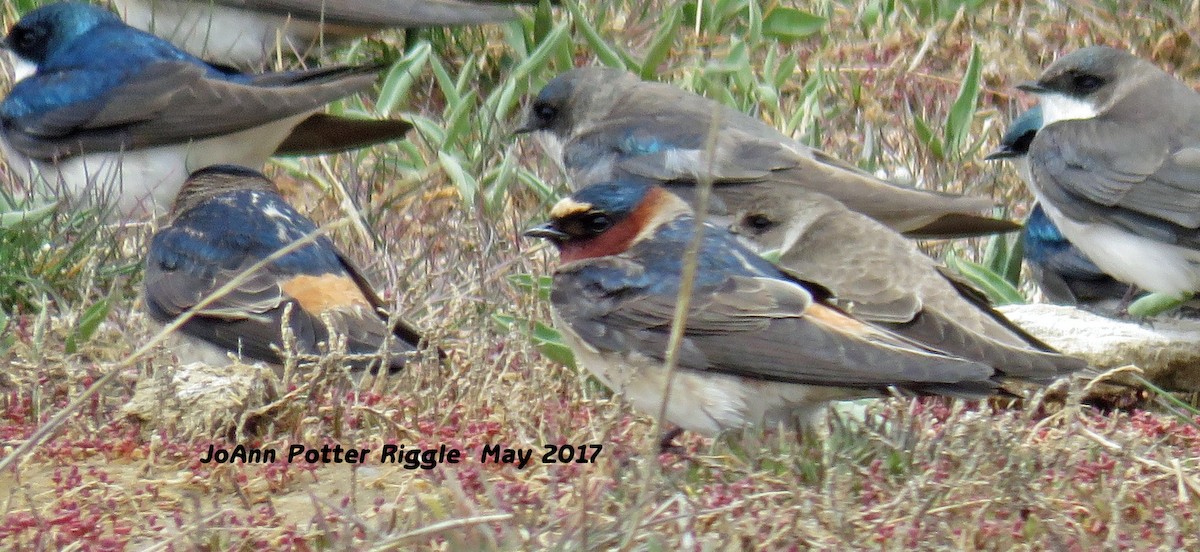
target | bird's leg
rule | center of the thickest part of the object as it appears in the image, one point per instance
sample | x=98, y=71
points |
x=667, y=444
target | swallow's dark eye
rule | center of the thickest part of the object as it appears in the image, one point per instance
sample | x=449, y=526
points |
x=1086, y=83
x=599, y=223
x=545, y=111
x=759, y=222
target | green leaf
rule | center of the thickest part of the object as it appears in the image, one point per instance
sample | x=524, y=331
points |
x=997, y=289
x=7, y=339
x=661, y=45
x=958, y=121
x=1156, y=303
x=401, y=77
x=926, y=136
x=88, y=323
x=550, y=343
x=607, y=54
x=548, y=340
x=529, y=283
x=1003, y=256
x=786, y=24
x=30, y=216
x=467, y=186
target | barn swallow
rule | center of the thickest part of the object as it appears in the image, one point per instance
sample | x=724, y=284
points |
x=878, y=276
x=609, y=124
x=245, y=33
x=760, y=347
x=1065, y=274
x=224, y=221
x=102, y=108
x=1116, y=166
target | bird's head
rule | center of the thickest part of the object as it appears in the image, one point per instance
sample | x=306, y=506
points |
x=607, y=219
x=1020, y=134
x=216, y=180
x=44, y=31
x=1089, y=81
x=573, y=98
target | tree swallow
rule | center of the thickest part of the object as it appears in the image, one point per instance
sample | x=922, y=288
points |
x=1065, y=274
x=760, y=347
x=111, y=110
x=607, y=124
x=245, y=33
x=1117, y=166
x=224, y=221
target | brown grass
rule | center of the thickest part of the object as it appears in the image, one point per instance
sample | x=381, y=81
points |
x=903, y=474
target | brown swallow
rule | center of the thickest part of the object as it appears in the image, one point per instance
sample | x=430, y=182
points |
x=879, y=276
x=608, y=124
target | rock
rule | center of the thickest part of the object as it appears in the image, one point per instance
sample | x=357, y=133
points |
x=1167, y=350
x=201, y=399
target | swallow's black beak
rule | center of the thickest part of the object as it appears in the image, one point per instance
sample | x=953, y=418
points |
x=527, y=126
x=1033, y=87
x=1002, y=152
x=547, y=231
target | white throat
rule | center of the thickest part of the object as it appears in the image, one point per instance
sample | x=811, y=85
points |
x=21, y=68
x=1060, y=107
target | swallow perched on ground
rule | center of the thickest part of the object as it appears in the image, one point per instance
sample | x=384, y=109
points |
x=759, y=347
x=878, y=276
x=1117, y=166
x=1064, y=273
x=109, y=110
x=225, y=220
x=609, y=124
x=245, y=33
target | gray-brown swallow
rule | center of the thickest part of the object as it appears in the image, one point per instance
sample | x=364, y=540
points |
x=760, y=347
x=225, y=220
x=609, y=124
x=878, y=276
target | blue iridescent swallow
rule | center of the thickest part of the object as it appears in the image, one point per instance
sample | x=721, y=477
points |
x=103, y=111
x=225, y=220
x=1064, y=273
x=760, y=347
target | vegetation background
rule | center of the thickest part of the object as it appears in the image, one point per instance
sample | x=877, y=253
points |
x=918, y=90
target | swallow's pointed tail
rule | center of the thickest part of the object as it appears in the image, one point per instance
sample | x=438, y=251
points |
x=322, y=133
x=1028, y=364
x=962, y=225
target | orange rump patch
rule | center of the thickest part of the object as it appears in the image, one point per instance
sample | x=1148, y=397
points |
x=837, y=320
x=317, y=294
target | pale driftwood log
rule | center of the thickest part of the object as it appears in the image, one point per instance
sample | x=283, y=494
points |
x=1167, y=350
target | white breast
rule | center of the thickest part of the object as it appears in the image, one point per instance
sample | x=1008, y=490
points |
x=143, y=183
x=1149, y=264
x=706, y=403
x=222, y=34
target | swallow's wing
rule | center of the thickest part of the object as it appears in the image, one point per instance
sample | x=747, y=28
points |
x=402, y=329
x=382, y=13
x=761, y=328
x=675, y=147
x=185, y=267
x=173, y=102
x=1090, y=171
